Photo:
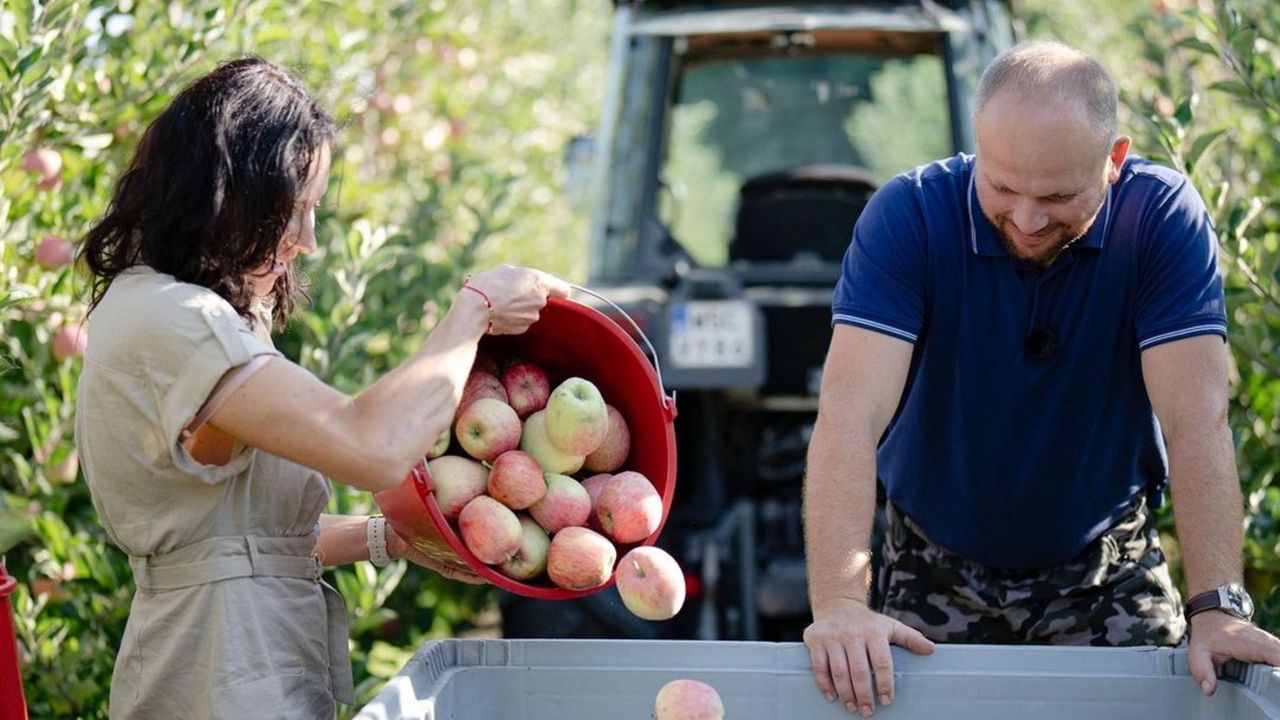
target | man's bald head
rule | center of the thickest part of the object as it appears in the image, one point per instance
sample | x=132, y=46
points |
x=1052, y=75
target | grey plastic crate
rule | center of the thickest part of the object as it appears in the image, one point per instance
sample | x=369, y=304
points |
x=618, y=680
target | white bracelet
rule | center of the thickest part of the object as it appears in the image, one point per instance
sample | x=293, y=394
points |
x=375, y=534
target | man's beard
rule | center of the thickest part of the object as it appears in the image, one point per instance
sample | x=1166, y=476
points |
x=1065, y=240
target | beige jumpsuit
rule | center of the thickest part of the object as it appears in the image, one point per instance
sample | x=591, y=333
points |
x=230, y=618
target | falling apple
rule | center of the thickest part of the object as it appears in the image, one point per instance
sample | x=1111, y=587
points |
x=651, y=583
x=687, y=699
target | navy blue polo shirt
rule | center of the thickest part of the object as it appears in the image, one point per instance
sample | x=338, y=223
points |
x=1008, y=461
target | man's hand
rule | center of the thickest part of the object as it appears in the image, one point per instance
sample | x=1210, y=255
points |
x=847, y=643
x=1217, y=637
x=397, y=548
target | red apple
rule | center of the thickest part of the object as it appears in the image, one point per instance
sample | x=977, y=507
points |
x=527, y=388
x=481, y=384
x=615, y=447
x=530, y=560
x=629, y=508
x=534, y=441
x=515, y=480
x=566, y=504
x=577, y=418
x=456, y=481
x=595, y=485
x=688, y=700
x=580, y=559
x=488, y=428
x=651, y=583
x=54, y=253
x=69, y=341
x=490, y=530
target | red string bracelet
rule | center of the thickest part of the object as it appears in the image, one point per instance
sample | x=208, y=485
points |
x=487, y=303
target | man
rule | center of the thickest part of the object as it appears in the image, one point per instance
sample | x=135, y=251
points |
x=1007, y=331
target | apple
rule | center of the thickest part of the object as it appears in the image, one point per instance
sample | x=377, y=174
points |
x=651, y=583
x=516, y=480
x=456, y=481
x=441, y=445
x=594, y=485
x=481, y=384
x=54, y=253
x=580, y=559
x=488, y=428
x=534, y=441
x=490, y=530
x=566, y=504
x=577, y=418
x=686, y=699
x=69, y=341
x=629, y=508
x=527, y=388
x=615, y=447
x=530, y=560
x=46, y=163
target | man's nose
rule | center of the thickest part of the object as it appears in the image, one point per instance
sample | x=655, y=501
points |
x=1028, y=218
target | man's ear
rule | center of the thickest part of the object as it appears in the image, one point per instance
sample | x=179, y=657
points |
x=1115, y=158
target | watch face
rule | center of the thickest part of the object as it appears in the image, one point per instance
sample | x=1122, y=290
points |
x=1239, y=601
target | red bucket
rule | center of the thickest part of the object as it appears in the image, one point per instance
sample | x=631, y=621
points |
x=13, y=705
x=569, y=339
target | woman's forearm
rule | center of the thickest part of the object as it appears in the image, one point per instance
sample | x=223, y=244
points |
x=342, y=539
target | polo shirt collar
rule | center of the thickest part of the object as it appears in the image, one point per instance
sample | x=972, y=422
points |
x=984, y=241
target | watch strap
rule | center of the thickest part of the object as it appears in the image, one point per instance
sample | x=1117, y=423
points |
x=375, y=532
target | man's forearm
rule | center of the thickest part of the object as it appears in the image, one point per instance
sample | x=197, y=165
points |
x=839, y=509
x=1207, y=505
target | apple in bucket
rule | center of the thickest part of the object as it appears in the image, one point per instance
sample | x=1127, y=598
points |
x=527, y=388
x=630, y=508
x=615, y=447
x=516, y=480
x=490, y=530
x=456, y=481
x=577, y=417
x=534, y=441
x=565, y=504
x=580, y=559
x=488, y=428
x=530, y=560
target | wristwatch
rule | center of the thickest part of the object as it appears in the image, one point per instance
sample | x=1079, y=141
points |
x=1232, y=599
x=375, y=535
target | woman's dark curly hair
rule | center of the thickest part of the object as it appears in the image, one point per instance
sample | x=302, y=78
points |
x=212, y=185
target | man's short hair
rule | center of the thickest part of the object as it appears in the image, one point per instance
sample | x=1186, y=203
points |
x=1054, y=71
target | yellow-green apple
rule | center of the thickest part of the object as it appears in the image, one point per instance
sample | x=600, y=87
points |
x=456, y=481
x=651, y=583
x=594, y=485
x=580, y=559
x=481, y=384
x=487, y=428
x=54, y=252
x=527, y=388
x=686, y=699
x=530, y=560
x=629, y=508
x=69, y=341
x=566, y=504
x=516, y=480
x=615, y=447
x=534, y=441
x=577, y=417
x=490, y=530
x=441, y=445
x=46, y=163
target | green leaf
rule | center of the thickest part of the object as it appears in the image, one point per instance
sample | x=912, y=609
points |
x=1184, y=112
x=1196, y=44
x=1200, y=145
x=1232, y=87
x=26, y=61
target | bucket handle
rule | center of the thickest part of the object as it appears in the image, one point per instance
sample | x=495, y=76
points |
x=668, y=401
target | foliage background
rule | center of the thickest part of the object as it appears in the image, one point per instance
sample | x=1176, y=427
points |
x=456, y=116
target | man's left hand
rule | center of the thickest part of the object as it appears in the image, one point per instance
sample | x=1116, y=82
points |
x=1217, y=637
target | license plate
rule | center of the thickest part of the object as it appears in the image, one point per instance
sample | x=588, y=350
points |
x=712, y=334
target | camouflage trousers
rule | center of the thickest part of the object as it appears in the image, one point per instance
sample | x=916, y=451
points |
x=1116, y=592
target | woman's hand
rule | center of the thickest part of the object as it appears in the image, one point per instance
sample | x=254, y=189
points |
x=516, y=296
x=398, y=548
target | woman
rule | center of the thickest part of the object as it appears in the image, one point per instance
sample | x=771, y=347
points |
x=205, y=450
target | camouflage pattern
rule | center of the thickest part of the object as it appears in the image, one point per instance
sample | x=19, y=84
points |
x=1116, y=592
